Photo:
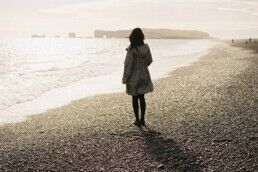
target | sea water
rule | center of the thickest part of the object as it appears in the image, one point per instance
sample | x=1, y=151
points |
x=37, y=74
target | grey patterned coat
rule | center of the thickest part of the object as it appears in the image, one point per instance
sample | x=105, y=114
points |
x=136, y=72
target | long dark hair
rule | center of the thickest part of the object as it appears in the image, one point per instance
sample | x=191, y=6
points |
x=136, y=38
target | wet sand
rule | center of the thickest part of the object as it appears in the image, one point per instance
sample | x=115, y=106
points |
x=201, y=117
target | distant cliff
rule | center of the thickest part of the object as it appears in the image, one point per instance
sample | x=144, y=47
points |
x=154, y=34
x=38, y=36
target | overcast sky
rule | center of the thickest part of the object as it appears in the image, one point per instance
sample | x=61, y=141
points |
x=221, y=18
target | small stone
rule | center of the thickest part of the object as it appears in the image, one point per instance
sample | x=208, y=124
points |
x=161, y=166
x=190, y=140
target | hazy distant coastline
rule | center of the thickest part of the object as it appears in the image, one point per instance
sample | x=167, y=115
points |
x=155, y=34
x=149, y=33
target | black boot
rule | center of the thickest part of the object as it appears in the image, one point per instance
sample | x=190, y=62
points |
x=136, y=110
x=143, y=108
x=137, y=122
x=142, y=122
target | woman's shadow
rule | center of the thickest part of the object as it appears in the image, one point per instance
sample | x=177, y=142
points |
x=168, y=153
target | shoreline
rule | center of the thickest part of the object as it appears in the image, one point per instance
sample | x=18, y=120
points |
x=200, y=117
x=63, y=96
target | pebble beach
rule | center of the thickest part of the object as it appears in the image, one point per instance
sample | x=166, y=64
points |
x=201, y=117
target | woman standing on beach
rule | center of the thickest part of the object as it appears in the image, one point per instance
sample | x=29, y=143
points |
x=136, y=73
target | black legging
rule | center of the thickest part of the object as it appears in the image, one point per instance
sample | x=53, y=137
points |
x=136, y=106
